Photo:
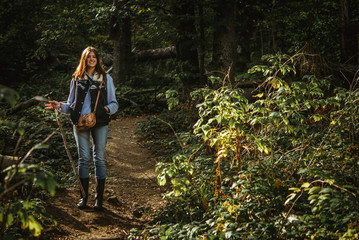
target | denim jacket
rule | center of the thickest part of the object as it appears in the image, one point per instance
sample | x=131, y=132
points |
x=82, y=98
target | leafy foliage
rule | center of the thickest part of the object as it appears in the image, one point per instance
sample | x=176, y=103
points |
x=281, y=167
x=28, y=213
x=20, y=183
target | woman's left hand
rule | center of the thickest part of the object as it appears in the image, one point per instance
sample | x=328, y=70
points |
x=53, y=105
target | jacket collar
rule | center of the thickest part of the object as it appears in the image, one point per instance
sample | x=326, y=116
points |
x=96, y=77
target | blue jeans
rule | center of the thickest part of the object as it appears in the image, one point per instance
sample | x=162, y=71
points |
x=99, y=140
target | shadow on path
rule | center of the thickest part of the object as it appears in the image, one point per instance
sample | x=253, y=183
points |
x=130, y=185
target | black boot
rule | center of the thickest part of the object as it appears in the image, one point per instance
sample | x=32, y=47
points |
x=100, y=187
x=83, y=201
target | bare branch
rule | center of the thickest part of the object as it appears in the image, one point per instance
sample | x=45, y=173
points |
x=68, y=152
x=13, y=187
x=22, y=160
x=28, y=103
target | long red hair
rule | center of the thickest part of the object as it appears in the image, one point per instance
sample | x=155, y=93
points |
x=81, y=68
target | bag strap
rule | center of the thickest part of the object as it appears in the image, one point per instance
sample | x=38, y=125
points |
x=98, y=95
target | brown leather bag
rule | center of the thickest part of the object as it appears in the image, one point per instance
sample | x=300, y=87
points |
x=89, y=120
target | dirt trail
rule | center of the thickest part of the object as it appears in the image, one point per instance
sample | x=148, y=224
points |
x=131, y=196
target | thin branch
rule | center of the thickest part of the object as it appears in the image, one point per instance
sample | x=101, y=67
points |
x=278, y=70
x=174, y=132
x=299, y=148
x=68, y=152
x=227, y=77
x=35, y=147
x=13, y=187
x=128, y=100
x=337, y=186
x=18, y=144
x=290, y=210
x=22, y=160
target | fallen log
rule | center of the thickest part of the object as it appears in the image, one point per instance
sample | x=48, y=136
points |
x=154, y=54
x=128, y=100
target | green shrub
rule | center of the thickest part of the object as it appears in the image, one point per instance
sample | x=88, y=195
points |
x=282, y=167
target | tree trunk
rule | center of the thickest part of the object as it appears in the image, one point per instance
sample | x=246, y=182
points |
x=225, y=54
x=274, y=27
x=125, y=51
x=202, y=40
x=349, y=32
x=116, y=62
x=121, y=36
x=186, y=44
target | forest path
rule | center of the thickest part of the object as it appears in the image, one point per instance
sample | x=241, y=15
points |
x=131, y=195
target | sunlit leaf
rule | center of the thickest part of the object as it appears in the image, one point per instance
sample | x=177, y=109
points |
x=35, y=226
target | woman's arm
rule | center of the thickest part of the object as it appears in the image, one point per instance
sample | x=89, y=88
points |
x=112, y=105
x=65, y=107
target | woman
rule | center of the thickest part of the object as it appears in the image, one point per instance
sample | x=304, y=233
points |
x=84, y=88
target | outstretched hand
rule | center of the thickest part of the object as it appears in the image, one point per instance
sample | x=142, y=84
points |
x=53, y=105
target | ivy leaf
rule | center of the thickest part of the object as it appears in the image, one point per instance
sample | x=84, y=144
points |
x=10, y=219
x=317, y=117
x=161, y=179
x=228, y=234
x=290, y=197
x=275, y=115
x=259, y=95
x=314, y=190
x=35, y=226
x=231, y=123
x=46, y=181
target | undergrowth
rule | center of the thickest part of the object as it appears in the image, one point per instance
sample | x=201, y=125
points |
x=34, y=169
x=281, y=167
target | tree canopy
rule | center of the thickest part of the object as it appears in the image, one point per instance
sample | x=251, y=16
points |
x=209, y=35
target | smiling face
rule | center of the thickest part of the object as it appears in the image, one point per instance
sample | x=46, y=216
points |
x=90, y=63
x=91, y=60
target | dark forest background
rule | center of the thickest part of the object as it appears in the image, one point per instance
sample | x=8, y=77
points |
x=261, y=99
